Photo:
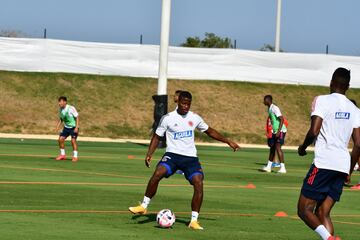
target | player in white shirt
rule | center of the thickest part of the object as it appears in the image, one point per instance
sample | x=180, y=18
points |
x=334, y=121
x=179, y=127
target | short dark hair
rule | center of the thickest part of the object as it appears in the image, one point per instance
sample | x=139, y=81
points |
x=341, y=76
x=177, y=92
x=185, y=94
x=62, y=98
x=268, y=97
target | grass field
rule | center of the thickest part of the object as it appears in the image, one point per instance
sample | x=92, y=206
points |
x=44, y=199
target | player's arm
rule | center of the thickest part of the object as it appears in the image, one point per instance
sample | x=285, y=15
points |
x=311, y=135
x=281, y=118
x=217, y=136
x=355, y=153
x=152, y=147
x=58, y=126
x=77, y=124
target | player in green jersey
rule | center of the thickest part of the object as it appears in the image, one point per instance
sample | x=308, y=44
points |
x=70, y=118
x=278, y=134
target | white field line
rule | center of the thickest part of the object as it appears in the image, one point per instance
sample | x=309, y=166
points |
x=141, y=141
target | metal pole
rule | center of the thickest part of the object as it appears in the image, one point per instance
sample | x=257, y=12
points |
x=161, y=99
x=278, y=26
x=164, y=47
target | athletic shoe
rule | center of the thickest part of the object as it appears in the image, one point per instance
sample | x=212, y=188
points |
x=276, y=164
x=282, y=170
x=138, y=210
x=356, y=187
x=266, y=169
x=195, y=225
x=75, y=159
x=60, y=157
x=334, y=238
x=179, y=172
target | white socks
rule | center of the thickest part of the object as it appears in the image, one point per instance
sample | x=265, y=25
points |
x=269, y=165
x=145, y=203
x=323, y=232
x=282, y=165
x=76, y=154
x=62, y=151
x=194, y=216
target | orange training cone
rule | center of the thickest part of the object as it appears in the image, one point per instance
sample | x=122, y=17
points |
x=281, y=214
x=251, y=186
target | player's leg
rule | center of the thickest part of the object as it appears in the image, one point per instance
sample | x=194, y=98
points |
x=165, y=168
x=323, y=213
x=61, y=142
x=272, y=151
x=74, y=144
x=197, y=182
x=153, y=183
x=280, y=141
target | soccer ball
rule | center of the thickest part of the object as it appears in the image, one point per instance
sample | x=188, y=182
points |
x=165, y=218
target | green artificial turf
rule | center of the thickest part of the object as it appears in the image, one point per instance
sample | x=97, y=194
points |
x=95, y=192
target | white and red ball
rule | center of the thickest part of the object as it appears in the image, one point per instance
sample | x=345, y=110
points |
x=165, y=218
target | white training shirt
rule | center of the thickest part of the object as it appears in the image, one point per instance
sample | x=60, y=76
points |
x=180, y=132
x=340, y=116
x=72, y=112
x=276, y=110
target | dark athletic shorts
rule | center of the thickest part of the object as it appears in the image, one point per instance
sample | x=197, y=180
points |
x=273, y=140
x=321, y=183
x=189, y=165
x=69, y=132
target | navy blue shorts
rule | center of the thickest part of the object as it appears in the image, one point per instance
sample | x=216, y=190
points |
x=189, y=165
x=321, y=183
x=69, y=132
x=273, y=140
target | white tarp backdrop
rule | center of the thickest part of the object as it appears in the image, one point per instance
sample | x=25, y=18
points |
x=47, y=55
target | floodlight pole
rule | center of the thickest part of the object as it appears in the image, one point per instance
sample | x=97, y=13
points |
x=161, y=99
x=278, y=26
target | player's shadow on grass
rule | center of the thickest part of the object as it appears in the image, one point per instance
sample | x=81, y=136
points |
x=148, y=218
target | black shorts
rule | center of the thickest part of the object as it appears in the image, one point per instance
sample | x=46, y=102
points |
x=189, y=165
x=273, y=140
x=321, y=183
x=69, y=132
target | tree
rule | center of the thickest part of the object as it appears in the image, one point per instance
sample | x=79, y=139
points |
x=269, y=48
x=211, y=40
x=192, y=42
x=11, y=34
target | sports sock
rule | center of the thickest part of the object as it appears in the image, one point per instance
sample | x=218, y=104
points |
x=282, y=165
x=62, y=151
x=76, y=154
x=194, y=216
x=145, y=203
x=323, y=232
x=269, y=164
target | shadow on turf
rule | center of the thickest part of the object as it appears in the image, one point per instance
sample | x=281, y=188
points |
x=148, y=218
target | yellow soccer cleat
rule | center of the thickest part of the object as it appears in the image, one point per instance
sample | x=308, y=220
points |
x=195, y=225
x=138, y=210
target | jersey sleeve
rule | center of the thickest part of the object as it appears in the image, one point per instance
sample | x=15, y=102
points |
x=318, y=108
x=357, y=119
x=73, y=112
x=276, y=111
x=163, y=126
x=202, y=126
